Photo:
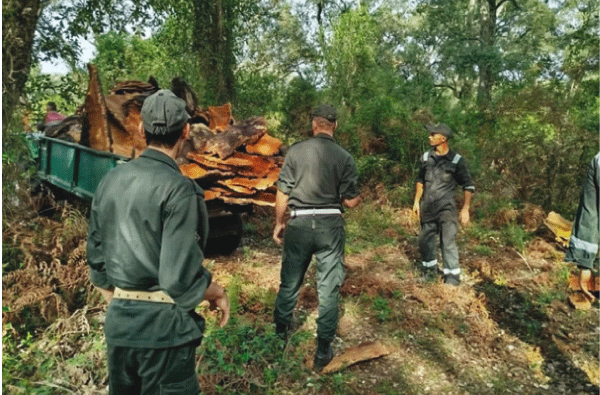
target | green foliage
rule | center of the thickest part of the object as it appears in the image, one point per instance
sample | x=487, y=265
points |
x=515, y=236
x=12, y=257
x=67, y=91
x=401, y=195
x=482, y=234
x=351, y=56
x=550, y=295
x=260, y=95
x=365, y=227
x=373, y=169
x=244, y=358
x=24, y=363
x=299, y=99
x=382, y=308
x=547, y=164
x=483, y=250
x=17, y=167
x=122, y=56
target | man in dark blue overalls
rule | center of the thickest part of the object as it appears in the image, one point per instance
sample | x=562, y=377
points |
x=441, y=171
x=584, y=240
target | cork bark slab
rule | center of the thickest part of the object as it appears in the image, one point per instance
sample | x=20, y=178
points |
x=593, y=284
x=356, y=354
x=579, y=301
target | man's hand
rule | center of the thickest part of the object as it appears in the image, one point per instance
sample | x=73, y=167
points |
x=278, y=233
x=416, y=210
x=281, y=203
x=464, y=217
x=218, y=301
x=417, y=204
x=351, y=203
x=584, y=279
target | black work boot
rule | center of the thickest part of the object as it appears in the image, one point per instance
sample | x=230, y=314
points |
x=324, y=354
x=281, y=330
x=452, y=279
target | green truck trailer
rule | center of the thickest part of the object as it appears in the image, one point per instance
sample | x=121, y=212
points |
x=76, y=170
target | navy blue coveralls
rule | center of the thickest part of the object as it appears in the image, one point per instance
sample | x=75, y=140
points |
x=583, y=244
x=440, y=176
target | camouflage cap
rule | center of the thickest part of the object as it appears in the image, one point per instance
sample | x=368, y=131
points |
x=440, y=128
x=325, y=111
x=163, y=113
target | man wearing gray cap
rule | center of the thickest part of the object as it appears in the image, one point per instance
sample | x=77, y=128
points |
x=441, y=171
x=316, y=181
x=145, y=259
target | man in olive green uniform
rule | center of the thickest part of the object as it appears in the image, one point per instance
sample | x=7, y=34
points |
x=583, y=244
x=145, y=258
x=317, y=179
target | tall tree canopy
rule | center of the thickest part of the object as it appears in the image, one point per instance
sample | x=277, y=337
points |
x=502, y=73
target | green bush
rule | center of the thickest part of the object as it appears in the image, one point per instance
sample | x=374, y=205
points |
x=515, y=236
x=382, y=308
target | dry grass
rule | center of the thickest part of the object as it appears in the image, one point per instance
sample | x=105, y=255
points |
x=53, y=280
x=482, y=337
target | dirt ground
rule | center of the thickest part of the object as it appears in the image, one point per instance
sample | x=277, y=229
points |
x=506, y=329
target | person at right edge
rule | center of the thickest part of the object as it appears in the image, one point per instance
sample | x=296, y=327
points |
x=318, y=179
x=585, y=234
x=441, y=171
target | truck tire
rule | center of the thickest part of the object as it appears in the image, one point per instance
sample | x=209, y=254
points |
x=225, y=234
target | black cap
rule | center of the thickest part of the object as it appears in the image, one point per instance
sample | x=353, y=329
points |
x=440, y=128
x=163, y=113
x=325, y=111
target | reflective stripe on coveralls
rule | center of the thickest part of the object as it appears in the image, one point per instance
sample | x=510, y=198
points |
x=584, y=245
x=455, y=272
x=430, y=263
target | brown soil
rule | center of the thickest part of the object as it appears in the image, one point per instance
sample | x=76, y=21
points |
x=506, y=329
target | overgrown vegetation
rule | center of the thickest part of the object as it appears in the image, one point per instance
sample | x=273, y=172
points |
x=518, y=83
x=507, y=329
x=520, y=88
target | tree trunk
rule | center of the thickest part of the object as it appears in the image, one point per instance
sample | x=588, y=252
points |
x=486, y=68
x=19, y=20
x=213, y=42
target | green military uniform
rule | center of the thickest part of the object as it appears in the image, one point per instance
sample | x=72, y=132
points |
x=317, y=176
x=583, y=244
x=143, y=220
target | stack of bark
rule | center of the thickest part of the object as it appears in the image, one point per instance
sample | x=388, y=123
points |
x=235, y=162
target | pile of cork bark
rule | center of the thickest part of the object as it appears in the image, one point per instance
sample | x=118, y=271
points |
x=236, y=162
